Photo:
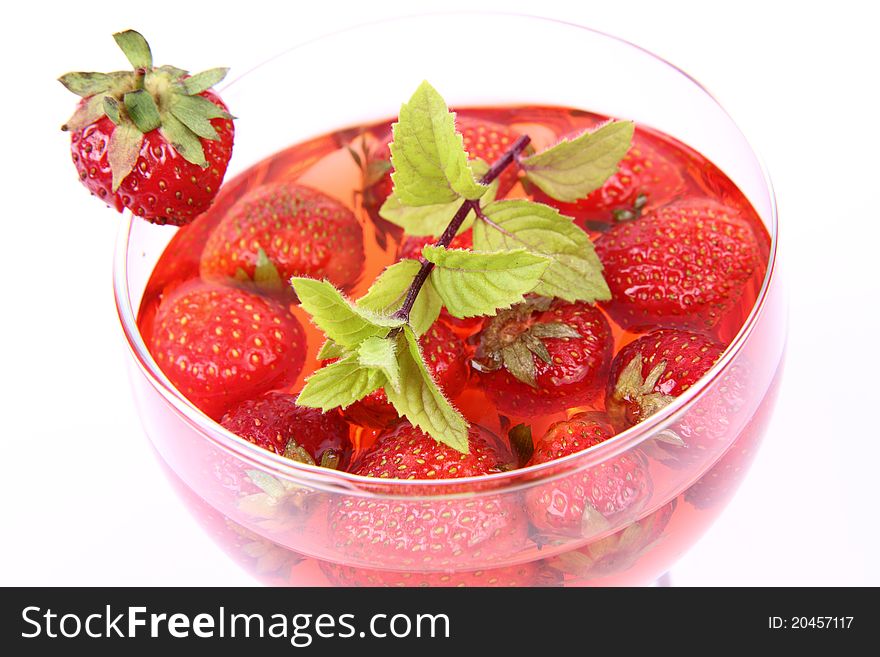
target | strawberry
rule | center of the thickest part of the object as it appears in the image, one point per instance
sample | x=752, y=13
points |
x=650, y=372
x=298, y=230
x=220, y=346
x=437, y=534
x=482, y=139
x=684, y=264
x=154, y=140
x=406, y=452
x=447, y=362
x=274, y=422
x=543, y=356
x=619, y=551
x=527, y=574
x=645, y=179
x=583, y=502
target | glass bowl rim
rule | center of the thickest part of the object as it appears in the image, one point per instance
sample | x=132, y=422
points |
x=336, y=481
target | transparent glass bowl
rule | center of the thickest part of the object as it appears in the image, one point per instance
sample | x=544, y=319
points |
x=275, y=516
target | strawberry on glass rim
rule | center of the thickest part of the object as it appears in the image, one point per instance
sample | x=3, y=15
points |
x=155, y=140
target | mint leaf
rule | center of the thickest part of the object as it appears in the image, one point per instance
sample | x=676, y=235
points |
x=420, y=400
x=574, y=273
x=330, y=351
x=432, y=220
x=340, y=384
x=472, y=283
x=572, y=169
x=341, y=321
x=387, y=294
x=428, y=156
x=380, y=354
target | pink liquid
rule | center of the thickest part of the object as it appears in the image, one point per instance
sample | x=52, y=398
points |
x=273, y=544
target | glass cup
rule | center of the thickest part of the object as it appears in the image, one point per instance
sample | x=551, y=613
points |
x=281, y=520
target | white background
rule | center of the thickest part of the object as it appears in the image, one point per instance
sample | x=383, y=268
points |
x=83, y=501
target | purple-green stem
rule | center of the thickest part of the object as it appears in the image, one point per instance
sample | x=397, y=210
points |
x=451, y=231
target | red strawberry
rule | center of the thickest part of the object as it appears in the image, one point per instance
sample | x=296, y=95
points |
x=650, y=372
x=274, y=422
x=527, y=574
x=655, y=369
x=684, y=264
x=440, y=534
x=543, y=356
x=644, y=180
x=485, y=140
x=583, y=502
x=301, y=231
x=447, y=361
x=153, y=140
x=220, y=345
x=619, y=551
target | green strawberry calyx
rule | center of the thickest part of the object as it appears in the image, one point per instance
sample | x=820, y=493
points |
x=512, y=340
x=146, y=98
x=636, y=394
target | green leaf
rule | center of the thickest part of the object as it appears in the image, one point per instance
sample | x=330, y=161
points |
x=572, y=169
x=420, y=400
x=86, y=113
x=87, y=84
x=518, y=360
x=267, y=483
x=192, y=119
x=336, y=316
x=575, y=272
x=331, y=351
x=170, y=71
x=196, y=113
x=474, y=283
x=546, y=330
x=387, y=295
x=430, y=163
x=123, y=151
x=183, y=140
x=296, y=452
x=380, y=354
x=266, y=274
x=432, y=220
x=142, y=110
x=340, y=384
x=521, y=442
x=135, y=48
x=203, y=81
x=111, y=109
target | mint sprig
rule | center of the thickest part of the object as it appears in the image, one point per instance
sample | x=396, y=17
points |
x=387, y=295
x=573, y=168
x=520, y=248
x=428, y=156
